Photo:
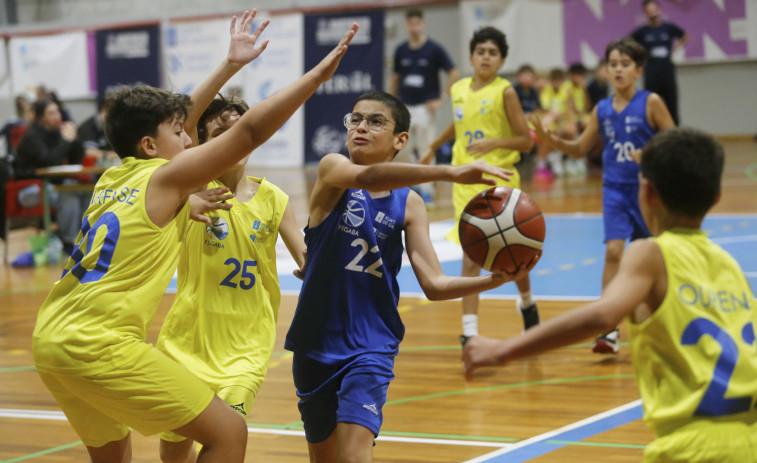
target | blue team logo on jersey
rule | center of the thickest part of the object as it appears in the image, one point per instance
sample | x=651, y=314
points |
x=354, y=214
x=459, y=113
x=218, y=228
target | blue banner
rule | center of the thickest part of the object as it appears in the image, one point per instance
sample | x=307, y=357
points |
x=361, y=70
x=127, y=57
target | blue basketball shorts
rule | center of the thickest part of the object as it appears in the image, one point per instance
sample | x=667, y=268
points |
x=621, y=212
x=346, y=393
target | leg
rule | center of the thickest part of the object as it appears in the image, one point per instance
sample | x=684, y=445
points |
x=470, y=302
x=177, y=452
x=526, y=304
x=221, y=431
x=349, y=443
x=113, y=452
x=608, y=342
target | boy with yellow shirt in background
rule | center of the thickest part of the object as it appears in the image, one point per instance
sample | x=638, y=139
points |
x=488, y=124
x=690, y=310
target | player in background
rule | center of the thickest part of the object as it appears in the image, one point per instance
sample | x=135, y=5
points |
x=624, y=123
x=488, y=124
x=222, y=325
x=690, y=311
x=89, y=339
x=346, y=329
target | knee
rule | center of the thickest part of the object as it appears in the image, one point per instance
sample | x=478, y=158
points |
x=613, y=254
x=176, y=453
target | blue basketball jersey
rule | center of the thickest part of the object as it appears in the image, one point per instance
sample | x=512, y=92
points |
x=622, y=134
x=348, y=301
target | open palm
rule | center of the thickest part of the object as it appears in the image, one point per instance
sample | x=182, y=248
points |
x=242, y=49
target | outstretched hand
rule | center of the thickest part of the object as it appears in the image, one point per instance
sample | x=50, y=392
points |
x=326, y=68
x=479, y=351
x=242, y=49
x=208, y=200
x=544, y=135
x=474, y=173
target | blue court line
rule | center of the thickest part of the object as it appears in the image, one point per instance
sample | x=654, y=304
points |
x=545, y=443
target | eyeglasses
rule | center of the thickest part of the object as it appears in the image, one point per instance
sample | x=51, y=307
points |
x=376, y=122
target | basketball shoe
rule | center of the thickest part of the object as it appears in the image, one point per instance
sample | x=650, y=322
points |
x=530, y=314
x=608, y=343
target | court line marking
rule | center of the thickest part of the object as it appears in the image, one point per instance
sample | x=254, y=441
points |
x=54, y=415
x=539, y=445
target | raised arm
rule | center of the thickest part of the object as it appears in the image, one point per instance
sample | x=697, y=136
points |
x=242, y=51
x=172, y=183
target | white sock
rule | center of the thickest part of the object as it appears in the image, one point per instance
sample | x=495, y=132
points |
x=470, y=324
x=526, y=299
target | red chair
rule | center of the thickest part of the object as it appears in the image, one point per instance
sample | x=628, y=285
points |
x=14, y=209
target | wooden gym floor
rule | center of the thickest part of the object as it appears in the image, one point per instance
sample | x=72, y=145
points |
x=564, y=406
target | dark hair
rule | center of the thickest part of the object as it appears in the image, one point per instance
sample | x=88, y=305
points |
x=684, y=165
x=217, y=108
x=577, y=68
x=399, y=111
x=21, y=105
x=137, y=112
x=526, y=68
x=40, y=106
x=629, y=47
x=556, y=73
x=647, y=2
x=489, y=33
x=414, y=13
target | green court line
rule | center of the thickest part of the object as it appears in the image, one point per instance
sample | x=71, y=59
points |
x=596, y=444
x=15, y=369
x=448, y=436
x=43, y=452
x=751, y=171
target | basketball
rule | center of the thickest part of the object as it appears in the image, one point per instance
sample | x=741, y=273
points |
x=501, y=229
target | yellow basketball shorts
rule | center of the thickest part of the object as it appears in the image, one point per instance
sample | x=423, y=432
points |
x=461, y=194
x=711, y=442
x=154, y=394
x=237, y=397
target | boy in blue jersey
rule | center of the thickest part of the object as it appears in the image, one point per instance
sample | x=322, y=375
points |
x=624, y=123
x=346, y=329
x=690, y=310
x=89, y=339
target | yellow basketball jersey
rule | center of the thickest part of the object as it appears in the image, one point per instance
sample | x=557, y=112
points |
x=115, y=278
x=577, y=94
x=554, y=99
x=222, y=325
x=481, y=114
x=694, y=358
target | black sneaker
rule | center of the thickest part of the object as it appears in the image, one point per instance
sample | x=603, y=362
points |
x=530, y=315
x=608, y=343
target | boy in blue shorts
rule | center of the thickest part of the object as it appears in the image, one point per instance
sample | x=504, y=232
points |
x=89, y=340
x=346, y=329
x=690, y=311
x=624, y=123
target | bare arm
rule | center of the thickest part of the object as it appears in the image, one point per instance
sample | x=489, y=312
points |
x=575, y=148
x=172, y=183
x=337, y=173
x=520, y=141
x=447, y=134
x=636, y=284
x=657, y=113
x=681, y=42
x=293, y=237
x=435, y=284
x=394, y=83
x=242, y=51
x=453, y=75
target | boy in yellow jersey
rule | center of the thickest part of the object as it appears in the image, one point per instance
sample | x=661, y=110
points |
x=89, y=341
x=690, y=309
x=488, y=124
x=222, y=325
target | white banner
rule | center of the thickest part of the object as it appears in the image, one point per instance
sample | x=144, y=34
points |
x=192, y=50
x=59, y=62
x=5, y=75
x=533, y=28
x=280, y=64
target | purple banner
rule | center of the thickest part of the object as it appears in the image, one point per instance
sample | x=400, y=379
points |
x=594, y=23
